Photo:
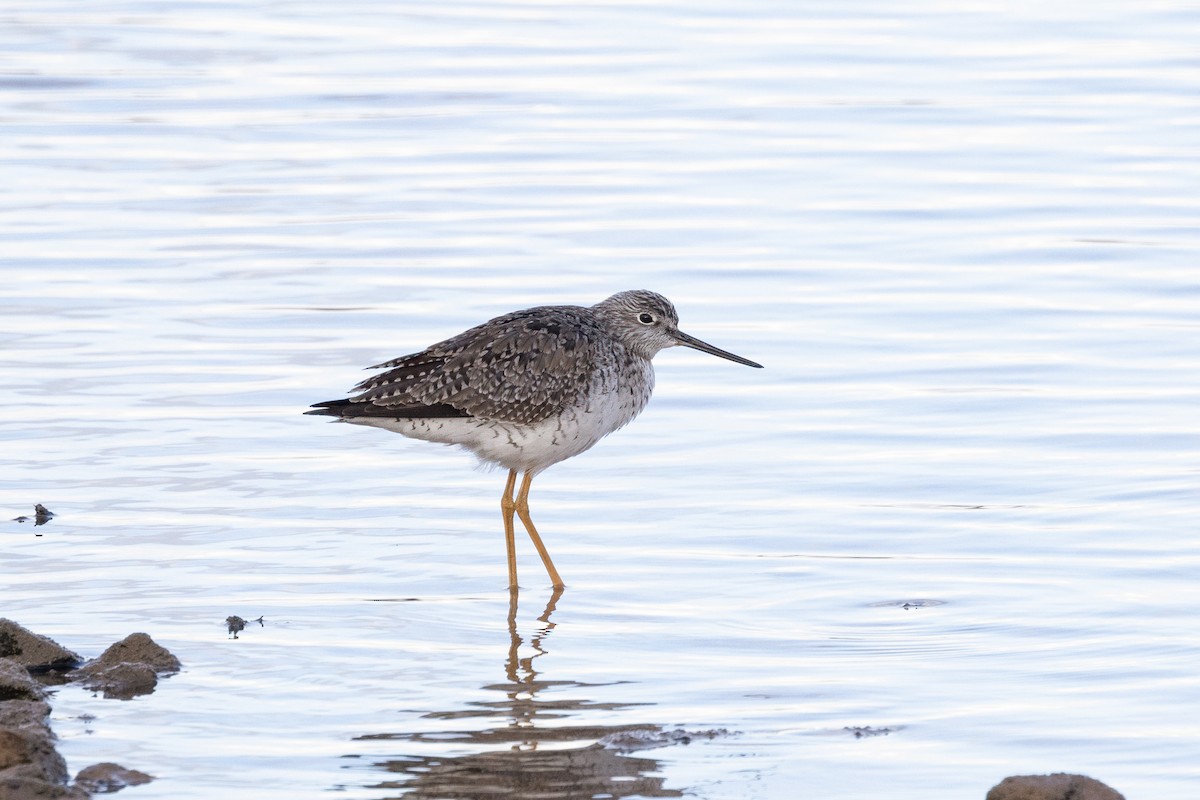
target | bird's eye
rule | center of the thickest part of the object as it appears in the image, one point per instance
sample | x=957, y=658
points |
x=646, y=319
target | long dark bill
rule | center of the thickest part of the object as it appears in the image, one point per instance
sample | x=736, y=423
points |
x=705, y=347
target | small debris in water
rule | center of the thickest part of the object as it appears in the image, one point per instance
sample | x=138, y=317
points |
x=908, y=605
x=236, y=624
x=41, y=515
x=649, y=738
x=865, y=731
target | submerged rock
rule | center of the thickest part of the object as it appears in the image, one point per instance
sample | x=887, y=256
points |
x=1059, y=786
x=108, y=777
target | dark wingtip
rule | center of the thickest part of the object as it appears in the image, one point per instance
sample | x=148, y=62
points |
x=329, y=408
x=349, y=409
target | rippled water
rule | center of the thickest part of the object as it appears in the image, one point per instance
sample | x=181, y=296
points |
x=948, y=535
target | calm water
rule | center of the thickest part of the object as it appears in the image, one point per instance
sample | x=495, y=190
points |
x=964, y=242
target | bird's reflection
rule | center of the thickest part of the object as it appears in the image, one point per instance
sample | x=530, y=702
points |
x=523, y=758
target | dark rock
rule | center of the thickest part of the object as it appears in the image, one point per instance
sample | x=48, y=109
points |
x=29, y=765
x=30, y=768
x=27, y=745
x=23, y=713
x=128, y=668
x=14, y=749
x=33, y=651
x=18, y=788
x=107, y=777
x=138, y=648
x=1059, y=786
x=29, y=752
x=15, y=683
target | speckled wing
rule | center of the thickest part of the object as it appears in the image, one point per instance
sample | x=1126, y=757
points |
x=523, y=367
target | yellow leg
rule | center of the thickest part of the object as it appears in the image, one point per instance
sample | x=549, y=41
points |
x=507, y=507
x=523, y=513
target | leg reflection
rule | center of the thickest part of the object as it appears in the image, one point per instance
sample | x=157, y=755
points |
x=520, y=670
x=534, y=741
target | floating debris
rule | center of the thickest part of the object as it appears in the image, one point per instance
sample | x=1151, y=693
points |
x=908, y=605
x=41, y=515
x=648, y=738
x=864, y=732
x=236, y=624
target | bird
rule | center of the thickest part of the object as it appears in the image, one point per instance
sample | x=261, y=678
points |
x=526, y=390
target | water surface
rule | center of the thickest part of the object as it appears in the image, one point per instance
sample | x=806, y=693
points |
x=947, y=535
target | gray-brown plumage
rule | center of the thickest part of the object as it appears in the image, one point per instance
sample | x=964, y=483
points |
x=522, y=367
x=527, y=389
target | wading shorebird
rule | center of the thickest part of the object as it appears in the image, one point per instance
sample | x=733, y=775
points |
x=526, y=390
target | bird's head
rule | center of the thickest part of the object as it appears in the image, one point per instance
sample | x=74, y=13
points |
x=646, y=322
